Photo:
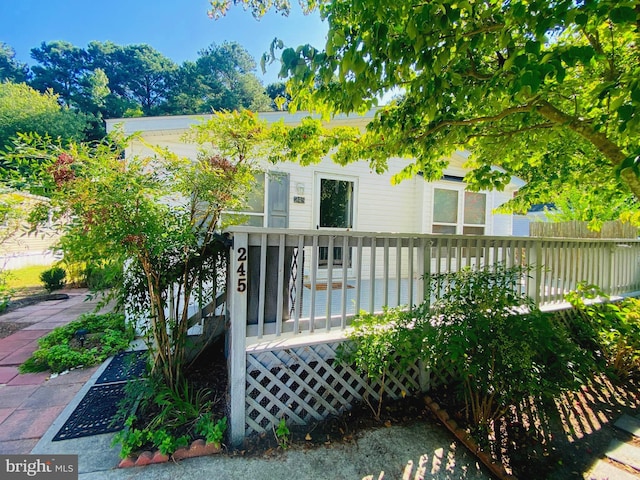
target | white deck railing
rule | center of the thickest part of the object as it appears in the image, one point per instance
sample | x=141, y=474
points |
x=289, y=289
x=292, y=282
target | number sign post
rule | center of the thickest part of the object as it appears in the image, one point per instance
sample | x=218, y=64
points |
x=237, y=336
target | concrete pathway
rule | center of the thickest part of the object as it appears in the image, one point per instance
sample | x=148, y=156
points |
x=29, y=403
x=622, y=458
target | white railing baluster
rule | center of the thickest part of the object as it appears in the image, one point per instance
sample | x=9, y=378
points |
x=385, y=274
x=359, y=275
x=398, y=270
x=280, y=294
x=449, y=254
x=299, y=285
x=372, y=275
x=410, y=274
x=314, y=278
x=346, y=259
x=329, y=289
x=437, y=249
x=262, y=274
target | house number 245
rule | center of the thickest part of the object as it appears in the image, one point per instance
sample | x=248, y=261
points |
x=242, y=269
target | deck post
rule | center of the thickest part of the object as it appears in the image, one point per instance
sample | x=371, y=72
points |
x=237, y=358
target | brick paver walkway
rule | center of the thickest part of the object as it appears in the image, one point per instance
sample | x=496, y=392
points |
x=29, y=403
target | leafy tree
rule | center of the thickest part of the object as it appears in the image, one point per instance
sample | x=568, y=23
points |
x=135, y=75
x=108, y=80
x=548, y=91
x=149, y=74
x=10, y=69
x=160, y=213
x=108, y=57
x=24, y=110
x=221, y=78
x=61, y=68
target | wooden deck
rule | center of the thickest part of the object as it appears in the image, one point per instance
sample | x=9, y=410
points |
x=291, y=296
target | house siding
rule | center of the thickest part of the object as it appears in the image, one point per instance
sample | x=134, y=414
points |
x=380, y=206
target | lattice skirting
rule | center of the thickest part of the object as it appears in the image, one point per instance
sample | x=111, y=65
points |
x=306, y=383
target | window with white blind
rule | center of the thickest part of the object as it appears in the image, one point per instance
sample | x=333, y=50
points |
x=457, y=211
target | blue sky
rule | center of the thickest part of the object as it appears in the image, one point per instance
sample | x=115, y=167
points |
x=176, y=28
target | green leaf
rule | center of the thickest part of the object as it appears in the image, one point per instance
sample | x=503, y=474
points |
x=625, y=112
x=581, y=19
x=289, y=57
x=532, y=79
x=622, y=15
x=412, y=29
x=532, y=47
x=521, y=60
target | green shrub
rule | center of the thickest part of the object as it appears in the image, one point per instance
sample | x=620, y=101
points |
x=379, y=342
x=102, y=277
x=53, y=278
x=499, y=346
x=5, y=291
x=611, y=330
x=103, y=335
x=211, y=430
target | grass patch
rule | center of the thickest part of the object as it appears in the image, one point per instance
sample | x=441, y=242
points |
x=26, y=279
x=103, y=335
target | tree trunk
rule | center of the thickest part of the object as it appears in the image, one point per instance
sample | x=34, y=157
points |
x=609, y=150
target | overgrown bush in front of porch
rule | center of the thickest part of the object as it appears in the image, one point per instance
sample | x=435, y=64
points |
x=498, y=346
x=490, y=338
x=611, y=330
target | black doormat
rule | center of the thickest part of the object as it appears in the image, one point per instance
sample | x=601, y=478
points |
x=124, y=366
x=95, y=413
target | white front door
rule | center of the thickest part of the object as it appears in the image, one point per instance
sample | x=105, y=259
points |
x=336, y=210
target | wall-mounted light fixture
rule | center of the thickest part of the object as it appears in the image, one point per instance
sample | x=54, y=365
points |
x=300, y=188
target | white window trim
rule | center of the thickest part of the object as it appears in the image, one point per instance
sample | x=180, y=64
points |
x=460, y=188
x=265, y=200
x=319, y=176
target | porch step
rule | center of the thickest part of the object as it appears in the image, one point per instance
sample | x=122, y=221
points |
x=624, y=453
x=629, y=424
x=607, y=471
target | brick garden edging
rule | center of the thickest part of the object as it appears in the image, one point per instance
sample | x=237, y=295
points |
x=198, y=448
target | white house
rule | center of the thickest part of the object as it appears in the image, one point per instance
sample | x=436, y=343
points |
x=341, y=240
x=330, y=196
x=326, y=197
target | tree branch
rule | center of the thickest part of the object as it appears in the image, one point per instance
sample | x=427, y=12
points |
x=609, y=150
x=474, y=121
x=508, y=133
